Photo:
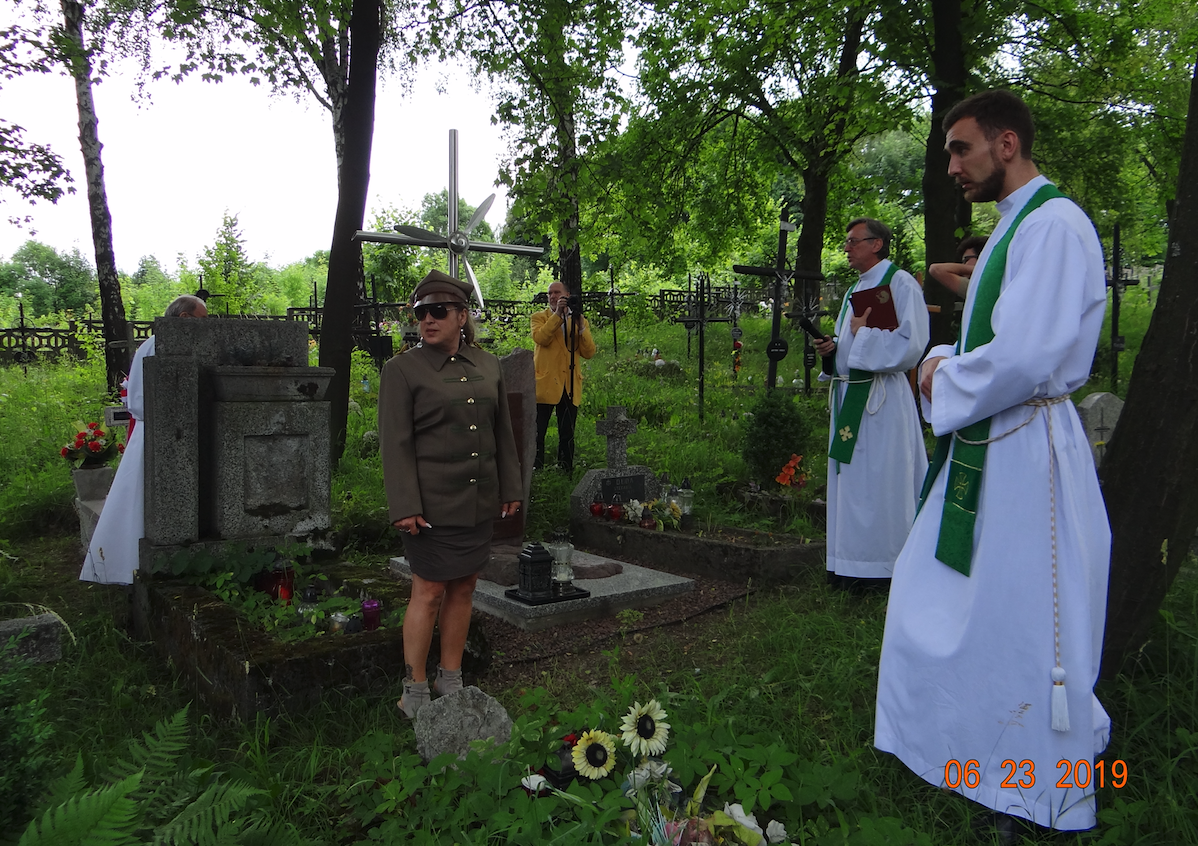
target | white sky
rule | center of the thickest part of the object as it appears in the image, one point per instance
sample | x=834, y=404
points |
x=175, y=164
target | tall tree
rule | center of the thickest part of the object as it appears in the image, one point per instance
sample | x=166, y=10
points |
x=112, y=308
x=790, y=79
x=1152, y=457
x=329, y=49
x=553, y=63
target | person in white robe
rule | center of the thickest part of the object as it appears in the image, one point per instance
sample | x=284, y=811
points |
x=871, y=499
x=112, y=554
x=986, y=680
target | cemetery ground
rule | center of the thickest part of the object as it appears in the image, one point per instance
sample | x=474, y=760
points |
x=747, y=674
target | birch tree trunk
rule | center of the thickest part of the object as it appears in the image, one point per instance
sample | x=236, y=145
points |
x=112, y=308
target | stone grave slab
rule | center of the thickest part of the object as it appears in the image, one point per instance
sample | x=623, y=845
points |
x=42, y=641
x=632, y=587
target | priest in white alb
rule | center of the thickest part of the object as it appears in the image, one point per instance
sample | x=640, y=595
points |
x=995, y=622
x=877, y=457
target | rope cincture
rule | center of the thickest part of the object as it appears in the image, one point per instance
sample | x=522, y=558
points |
x=1060, y=703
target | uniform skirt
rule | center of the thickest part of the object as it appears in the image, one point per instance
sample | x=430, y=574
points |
x=448, y=552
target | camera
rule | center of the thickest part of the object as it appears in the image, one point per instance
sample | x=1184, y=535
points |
x=574, y=303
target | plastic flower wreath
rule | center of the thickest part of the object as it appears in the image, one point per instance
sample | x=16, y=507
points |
x=91, y=446
x=594, y=754
x=644, y=729
x=786, y=478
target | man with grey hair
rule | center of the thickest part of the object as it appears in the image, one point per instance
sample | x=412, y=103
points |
x=113, y=551
x=877, y=458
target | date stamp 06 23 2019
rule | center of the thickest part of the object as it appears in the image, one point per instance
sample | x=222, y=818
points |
x=1080, y=774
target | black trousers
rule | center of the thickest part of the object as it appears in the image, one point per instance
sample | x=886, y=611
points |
x=567, y=413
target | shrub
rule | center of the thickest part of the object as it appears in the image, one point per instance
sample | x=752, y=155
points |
x=23, y=738
x=776, y=429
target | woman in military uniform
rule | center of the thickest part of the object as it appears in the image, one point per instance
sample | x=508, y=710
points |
x=450, y=468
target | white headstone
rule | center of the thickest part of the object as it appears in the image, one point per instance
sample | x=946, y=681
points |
x=1099, y=413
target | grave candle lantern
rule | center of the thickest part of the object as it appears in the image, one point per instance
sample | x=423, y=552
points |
x=598, y=508
x=647, y=521
x=686, y=497
x=534, y=567
x=615, y=511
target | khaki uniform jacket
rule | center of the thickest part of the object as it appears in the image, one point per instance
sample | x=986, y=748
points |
x=551, y=359
x=446, y=437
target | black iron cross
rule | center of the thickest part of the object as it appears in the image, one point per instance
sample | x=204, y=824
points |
x=777, y=349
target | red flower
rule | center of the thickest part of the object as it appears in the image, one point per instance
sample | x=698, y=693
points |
x=93, y=425
x=94, y=446
x=65, y=452
x=99, y=433
x=121, y=449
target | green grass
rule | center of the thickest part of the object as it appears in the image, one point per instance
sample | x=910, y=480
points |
x=795, y=666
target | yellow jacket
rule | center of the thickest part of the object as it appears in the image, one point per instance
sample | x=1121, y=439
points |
x=551, y=359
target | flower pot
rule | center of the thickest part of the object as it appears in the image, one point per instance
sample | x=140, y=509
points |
x=92, y=483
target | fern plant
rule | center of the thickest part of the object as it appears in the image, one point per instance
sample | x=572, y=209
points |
x=158, y=796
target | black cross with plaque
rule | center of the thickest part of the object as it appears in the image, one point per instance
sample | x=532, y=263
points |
x=777, y=348
x=697, y=317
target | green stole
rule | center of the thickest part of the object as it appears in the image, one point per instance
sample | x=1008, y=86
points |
x=846, y=415
x=955, y=545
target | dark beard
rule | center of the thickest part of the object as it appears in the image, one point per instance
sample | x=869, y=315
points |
x=989, y=189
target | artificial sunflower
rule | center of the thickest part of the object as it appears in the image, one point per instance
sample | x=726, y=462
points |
x=644, y=729
x=594, y=754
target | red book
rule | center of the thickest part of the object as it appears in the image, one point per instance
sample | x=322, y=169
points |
x=881, y=301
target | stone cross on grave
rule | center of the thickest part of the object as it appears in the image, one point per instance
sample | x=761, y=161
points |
x=456, y=241
x=617, y=426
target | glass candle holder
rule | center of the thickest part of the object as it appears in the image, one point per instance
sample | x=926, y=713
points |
x=563, y=572
x=372, y=611
x=338, y=621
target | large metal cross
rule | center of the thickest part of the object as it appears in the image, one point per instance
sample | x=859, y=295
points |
x=457, y=241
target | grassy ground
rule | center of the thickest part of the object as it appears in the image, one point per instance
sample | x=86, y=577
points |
x=798, y=664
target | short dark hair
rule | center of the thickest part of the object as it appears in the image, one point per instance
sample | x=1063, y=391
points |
x=973, y=242
x=996, y=111
x=876, y=229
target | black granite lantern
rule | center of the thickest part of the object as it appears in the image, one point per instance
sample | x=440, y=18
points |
x=535, y=568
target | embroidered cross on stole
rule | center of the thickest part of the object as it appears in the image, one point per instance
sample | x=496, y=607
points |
x=847, y=414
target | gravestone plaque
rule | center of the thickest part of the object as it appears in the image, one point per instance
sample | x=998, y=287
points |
x=1099, y=413
x=626, y=487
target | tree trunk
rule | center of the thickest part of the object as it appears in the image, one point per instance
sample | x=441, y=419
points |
x=112, y=308
x=568, y=249
x=1152, y=457
x=946, y=214
x=814, y=208
x=353, y=180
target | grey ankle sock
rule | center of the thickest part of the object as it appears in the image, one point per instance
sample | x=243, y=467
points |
x=448, y=680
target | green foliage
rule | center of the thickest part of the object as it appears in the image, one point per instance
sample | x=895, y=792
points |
x=777, y=429
x=158, y=795
x=49, y=281
x=24, y=732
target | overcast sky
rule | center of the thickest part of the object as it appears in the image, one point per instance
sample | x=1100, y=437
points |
x=174, y=165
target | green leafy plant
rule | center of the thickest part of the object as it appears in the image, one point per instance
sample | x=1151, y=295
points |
x=157, y=795
x=776, y=430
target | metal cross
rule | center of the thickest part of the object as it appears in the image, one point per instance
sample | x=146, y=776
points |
x=457, y=241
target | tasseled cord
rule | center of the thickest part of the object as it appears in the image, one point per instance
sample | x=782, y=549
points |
x=1060, y=704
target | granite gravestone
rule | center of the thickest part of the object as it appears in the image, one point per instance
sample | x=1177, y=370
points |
x=237, y=434
x=1099, y=413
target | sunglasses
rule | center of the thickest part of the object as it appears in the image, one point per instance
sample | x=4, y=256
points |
x=439, y=311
